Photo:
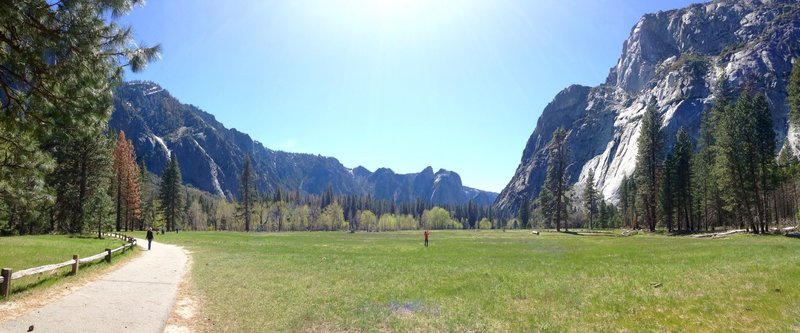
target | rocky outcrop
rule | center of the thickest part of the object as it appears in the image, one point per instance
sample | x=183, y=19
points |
x=676, y=56
x=211, y=156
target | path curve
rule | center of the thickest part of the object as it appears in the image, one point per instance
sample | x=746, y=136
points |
x=138, y=296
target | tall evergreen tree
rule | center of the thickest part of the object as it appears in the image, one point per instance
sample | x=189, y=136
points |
x=247, y=191
x=590, y=196
x=649, y=160
x=624, y=201
x=170, y=193
x=704, y=184
x=327, y=197
x=666, y=195
x=745, y=159
x=794, y=93
x=556, y=179
x=83, y=168
x=524, y=213
x=682, y=178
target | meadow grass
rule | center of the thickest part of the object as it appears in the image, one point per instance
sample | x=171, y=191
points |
x=493, y=281
x=23, y=252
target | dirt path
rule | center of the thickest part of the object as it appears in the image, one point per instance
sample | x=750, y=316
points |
x=138, y=297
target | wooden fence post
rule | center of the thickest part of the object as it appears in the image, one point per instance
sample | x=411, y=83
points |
x=5, y=287
x=108, y=255
x=75, y=264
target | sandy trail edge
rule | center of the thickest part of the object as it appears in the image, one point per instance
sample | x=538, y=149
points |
x=138, y=296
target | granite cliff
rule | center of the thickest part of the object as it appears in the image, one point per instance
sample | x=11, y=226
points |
x=678, y=57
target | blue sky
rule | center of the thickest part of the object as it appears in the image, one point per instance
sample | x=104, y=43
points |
x=403, y=84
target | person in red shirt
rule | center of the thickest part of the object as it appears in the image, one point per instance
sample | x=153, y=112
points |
x=426, y=237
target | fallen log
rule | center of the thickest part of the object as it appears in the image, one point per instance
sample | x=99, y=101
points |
x=534, y=232
x=789, y=229
x=721, y=234
x=626, y=233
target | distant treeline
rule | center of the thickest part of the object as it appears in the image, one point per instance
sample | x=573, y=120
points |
x=294, y=211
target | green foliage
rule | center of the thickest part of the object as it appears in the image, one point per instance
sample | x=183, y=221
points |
x=649, y=159
x=485, y=224
x=99, y=213
x=745, y=159
x=368, y=220
x=247, y=192
x=60, y=61
x=666, y=194
x=793, y=90
x=705, y=187
x=83, y=171
x=332, y=218
x=682, y=155
x=590, y=197
x=524, y=214
x=388, y=222
x=170, y=194
x=555, y=200
x=439, y=218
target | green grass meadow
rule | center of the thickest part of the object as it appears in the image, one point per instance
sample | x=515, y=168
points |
x=493, y=281
x=23, y=252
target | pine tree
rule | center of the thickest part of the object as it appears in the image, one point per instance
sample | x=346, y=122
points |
x=590, y=196
x=624, y=200
x=59, y=64
x=649, y=160
x=794, y=93
x=524, y=213
x=327, y=197
x=745, y=161
x=247, y=192
x=556, y=179
x=682, y=178
x=704, y=184
x=170, y=193
x=666, y=195
x=83, y=168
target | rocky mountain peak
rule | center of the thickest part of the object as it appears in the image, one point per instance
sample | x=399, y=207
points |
x=676, y=56
x=212, y=156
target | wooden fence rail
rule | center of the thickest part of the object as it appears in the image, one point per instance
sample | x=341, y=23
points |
x=7, y=274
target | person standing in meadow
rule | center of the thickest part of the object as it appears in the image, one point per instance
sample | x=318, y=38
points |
x=426, y=237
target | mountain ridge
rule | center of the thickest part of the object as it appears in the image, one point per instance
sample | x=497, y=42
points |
x=211, y=156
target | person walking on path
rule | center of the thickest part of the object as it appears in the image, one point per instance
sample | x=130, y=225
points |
x=150, y=237
x=426, y=237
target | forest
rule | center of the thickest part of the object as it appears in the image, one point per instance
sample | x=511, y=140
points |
x=731, y=175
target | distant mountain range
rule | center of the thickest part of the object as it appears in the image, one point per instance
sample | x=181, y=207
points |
x=211, y=156
x=678, y=57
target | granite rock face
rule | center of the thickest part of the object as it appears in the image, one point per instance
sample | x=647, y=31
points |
x=678, y=57
x=211, y=157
